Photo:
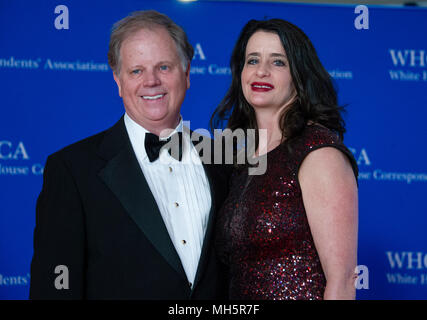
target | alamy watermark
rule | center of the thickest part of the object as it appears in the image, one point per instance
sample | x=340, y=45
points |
x=62, y=280
x=362, y=277
x=227, y=147
x=361, y=22
x=62, y=21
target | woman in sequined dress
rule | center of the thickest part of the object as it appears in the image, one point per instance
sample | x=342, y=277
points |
x=290, y=233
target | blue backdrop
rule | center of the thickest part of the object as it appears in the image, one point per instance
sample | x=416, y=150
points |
x=56, y=88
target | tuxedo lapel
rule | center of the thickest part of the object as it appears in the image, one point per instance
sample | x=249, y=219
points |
x=210, y=174
x=123, y=176
x=209, y=228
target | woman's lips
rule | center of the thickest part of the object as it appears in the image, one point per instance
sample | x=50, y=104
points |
x=261, y=86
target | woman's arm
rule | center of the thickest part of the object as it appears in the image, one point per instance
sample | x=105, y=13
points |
x=329, y=191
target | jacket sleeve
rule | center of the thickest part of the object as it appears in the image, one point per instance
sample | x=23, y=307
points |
x=58, y=264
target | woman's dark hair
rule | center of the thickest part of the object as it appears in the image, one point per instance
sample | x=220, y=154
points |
x=316, y=98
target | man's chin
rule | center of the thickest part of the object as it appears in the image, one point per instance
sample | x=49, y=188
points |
x=160, y=121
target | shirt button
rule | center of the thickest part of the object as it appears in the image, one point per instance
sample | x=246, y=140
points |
x=170, y=169
x=184, y=242
x=176, y=204
x=190, y=284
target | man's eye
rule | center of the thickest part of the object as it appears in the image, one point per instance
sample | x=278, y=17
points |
x=164, y=68
x=136, y=71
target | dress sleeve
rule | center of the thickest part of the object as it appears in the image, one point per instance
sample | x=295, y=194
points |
x=316, y=137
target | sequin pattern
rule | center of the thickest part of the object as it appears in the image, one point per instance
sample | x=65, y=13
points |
x=262, y=230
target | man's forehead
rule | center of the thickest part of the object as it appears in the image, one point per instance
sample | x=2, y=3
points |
x=150, y=39
x=145, y=33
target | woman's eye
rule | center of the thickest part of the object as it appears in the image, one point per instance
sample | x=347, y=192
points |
x=252, y=61
x=279, y=63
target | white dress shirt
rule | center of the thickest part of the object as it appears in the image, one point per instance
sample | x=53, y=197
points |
x=182, y=193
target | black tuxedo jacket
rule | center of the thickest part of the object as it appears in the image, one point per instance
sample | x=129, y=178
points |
x=97, y=217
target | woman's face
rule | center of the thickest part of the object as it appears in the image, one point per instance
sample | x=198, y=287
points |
x=266, y=78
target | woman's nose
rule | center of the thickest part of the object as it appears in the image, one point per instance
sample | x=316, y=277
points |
x=262, y=70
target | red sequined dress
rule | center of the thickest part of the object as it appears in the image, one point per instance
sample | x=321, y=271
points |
x=263, y=235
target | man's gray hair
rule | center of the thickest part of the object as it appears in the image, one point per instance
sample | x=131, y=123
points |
x=149, y=19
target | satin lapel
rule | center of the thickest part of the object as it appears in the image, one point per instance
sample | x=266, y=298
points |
x=123, y=175
x=209, y=229
x=210, y=174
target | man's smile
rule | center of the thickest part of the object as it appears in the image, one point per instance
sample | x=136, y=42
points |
x=155, y=97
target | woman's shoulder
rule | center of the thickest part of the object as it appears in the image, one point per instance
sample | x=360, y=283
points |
x=315, y=134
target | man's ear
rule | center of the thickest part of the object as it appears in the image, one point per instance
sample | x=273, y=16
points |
x=187, y=75
x=117, y=79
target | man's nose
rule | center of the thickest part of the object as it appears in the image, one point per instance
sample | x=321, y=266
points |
x=151, y=78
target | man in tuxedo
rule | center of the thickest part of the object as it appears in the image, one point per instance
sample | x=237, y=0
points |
x=118, y=216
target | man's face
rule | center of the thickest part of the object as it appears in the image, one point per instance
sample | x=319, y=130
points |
x=152, y=82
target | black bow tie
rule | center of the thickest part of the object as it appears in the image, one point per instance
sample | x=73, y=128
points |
x=153, y=145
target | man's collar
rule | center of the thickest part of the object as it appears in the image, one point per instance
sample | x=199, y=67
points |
x=137, y=133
